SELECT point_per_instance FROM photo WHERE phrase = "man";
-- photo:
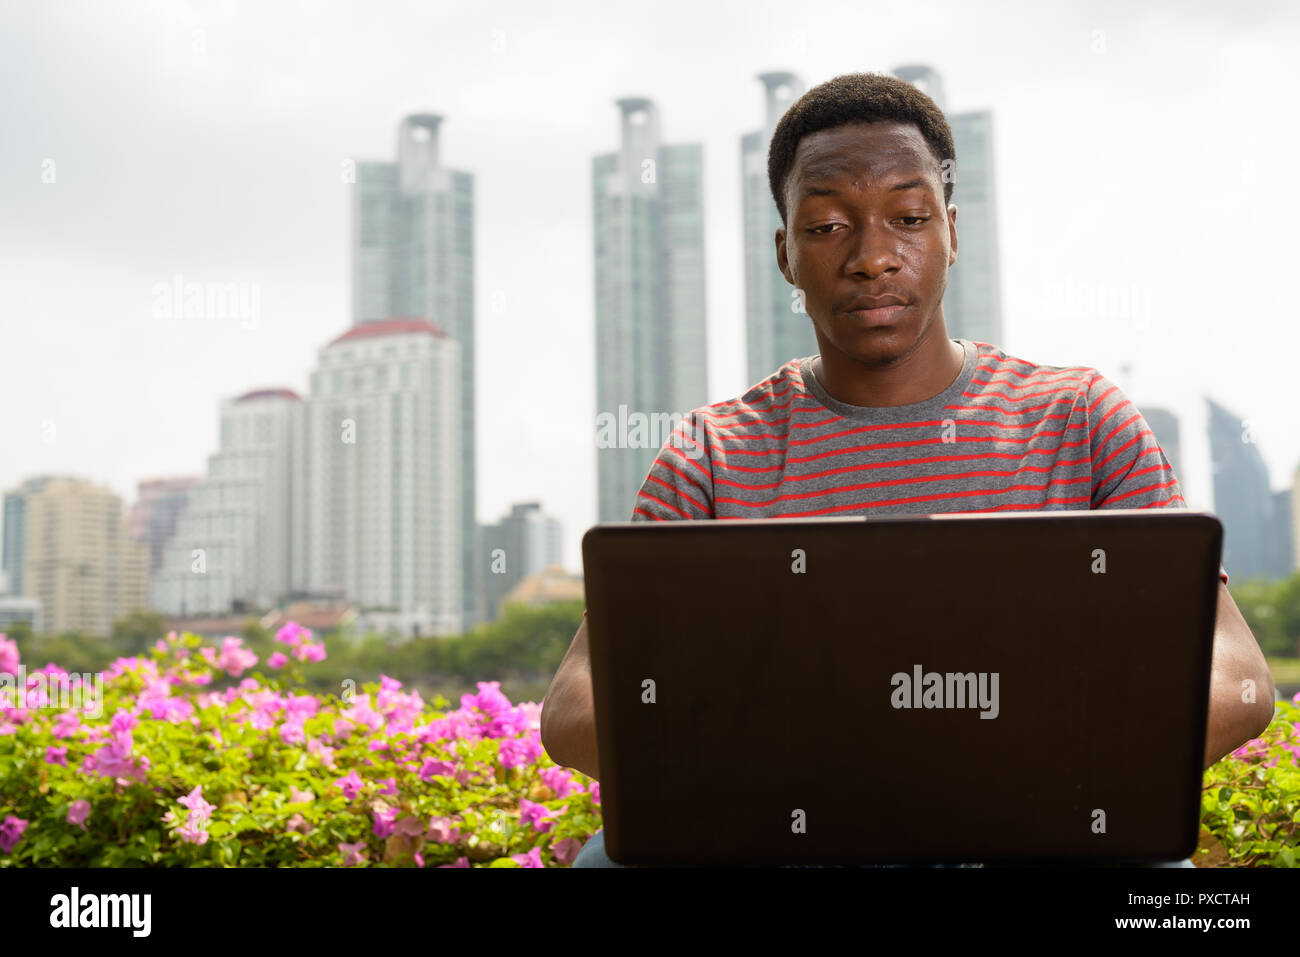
(893, 415)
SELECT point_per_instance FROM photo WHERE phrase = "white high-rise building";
(232, 549)
(383, 476)
(413, 256)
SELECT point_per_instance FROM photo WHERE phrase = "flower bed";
(1250, 805)
(186, 761)
(167, 770)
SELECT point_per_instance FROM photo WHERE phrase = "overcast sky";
(206, 140)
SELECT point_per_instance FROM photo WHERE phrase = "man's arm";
(568, 711)
(678, 486)
(1232, 722)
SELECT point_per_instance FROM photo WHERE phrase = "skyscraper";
(1295, 522)
(972, 304)
(1282, 556)
(1243, 500)
(651, 342)
(523, 543)
(156, 511)
(413, 257)
(234, 542)
(774, 331)
(383, 500)
(15, 530)
(1164, 425)
(73, 543)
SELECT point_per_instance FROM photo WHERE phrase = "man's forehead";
(874, 151)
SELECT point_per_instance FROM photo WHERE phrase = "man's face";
(867, 219)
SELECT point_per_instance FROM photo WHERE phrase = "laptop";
(903, 689)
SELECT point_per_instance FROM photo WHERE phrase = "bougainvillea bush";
(1250, 805)
(193, 759)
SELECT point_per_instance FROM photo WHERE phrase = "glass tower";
(651, 344)
(774, 332)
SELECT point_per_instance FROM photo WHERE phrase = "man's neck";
(922, 375)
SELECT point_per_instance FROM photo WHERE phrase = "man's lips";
(881, 316)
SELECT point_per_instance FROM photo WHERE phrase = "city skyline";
(144, 194)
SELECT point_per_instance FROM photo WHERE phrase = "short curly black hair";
(856, 98)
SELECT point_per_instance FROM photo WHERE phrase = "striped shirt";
(1007, 434)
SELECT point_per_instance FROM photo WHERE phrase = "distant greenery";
(1272, 610)
(522, 650)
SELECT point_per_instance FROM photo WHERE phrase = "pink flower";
(408, 827)
(113, 760)
(200, 810)
(532, 859)
(419, 859)
(300, 797)
(291, 732)
(566, 850)
(277, 660)
(299, 823)
(434, 769)
(77, 813)
(9, 659)
(326, 754)
(292, 634)
(192, 832)
(440, 830)
(351, 785)
(460, 862)
(310, 652)
(594, 791)
(353, 854)
(11, 831)
(518, 752)
(558, 780)
(235, 658)
(384, 818)
(55, 755)
(535, 814)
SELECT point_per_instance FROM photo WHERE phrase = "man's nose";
(874, 250)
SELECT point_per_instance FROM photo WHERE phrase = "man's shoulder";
(998, 371)
(994, 359)
(764, 402)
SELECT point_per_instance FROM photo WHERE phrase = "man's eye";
(819, 229)
(919, 219)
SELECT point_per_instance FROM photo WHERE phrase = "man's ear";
(952, 232)
(782, 261)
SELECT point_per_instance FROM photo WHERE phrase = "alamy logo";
(77, 691)
(949, 690)
(102, 910)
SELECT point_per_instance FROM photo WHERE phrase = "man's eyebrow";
(813, 190)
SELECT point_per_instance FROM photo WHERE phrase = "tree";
(138, 630)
